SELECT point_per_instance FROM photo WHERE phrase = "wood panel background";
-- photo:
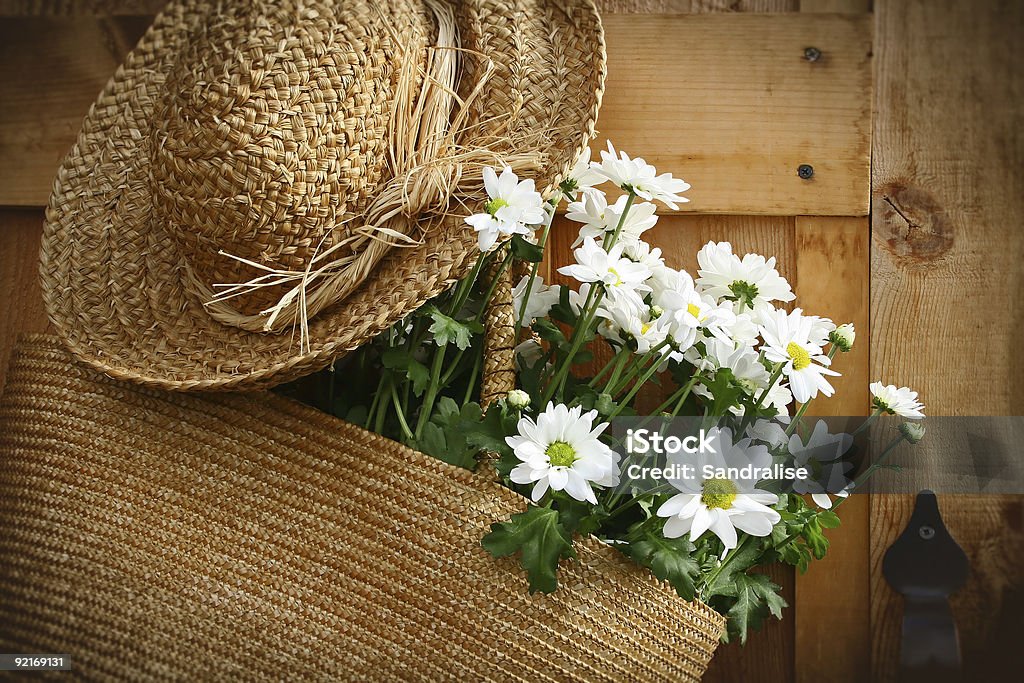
(910, 228)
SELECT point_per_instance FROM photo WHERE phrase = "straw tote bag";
(150, 534)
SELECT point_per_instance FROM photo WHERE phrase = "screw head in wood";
(812, 54)
(805, 171)
(926, 532)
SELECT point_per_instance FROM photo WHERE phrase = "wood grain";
(78, 8)
(21, 306)
(946, 210)
(50, 72)
(728, 100)
(694, 6)
(139, 7)
(833, 279)
(731, 101)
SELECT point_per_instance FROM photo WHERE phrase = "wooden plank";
(769, 654)
(694, 6)
(729, 100)
(80, 8)
(946, 210)
(833, 279)
(50, 72)
(140, 7)
(834, 6)
(21, 307)
(732, 101)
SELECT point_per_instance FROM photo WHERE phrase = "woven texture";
(259, 130)
(151, 534)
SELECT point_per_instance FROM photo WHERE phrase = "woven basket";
(150, 534)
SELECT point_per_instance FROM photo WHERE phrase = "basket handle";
(499, 376)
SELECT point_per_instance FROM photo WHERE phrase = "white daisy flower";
(562, 451)
(821, 328)
(769, 432)
(511, 208)
(583, 177)
(518, 399)
(628, 319)
(641, 252)
(821, 456)
(743, 361)
(722, 504)
(787, 340)
(779, 397)
(528, 353)
(611, 268)
(751, 281)
(640, 177)
(599, 219)
(897, 401)
(688, 308)
(542, 298)
(843, 337)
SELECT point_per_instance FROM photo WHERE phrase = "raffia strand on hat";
(429, 172)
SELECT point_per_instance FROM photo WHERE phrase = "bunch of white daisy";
(725, 344)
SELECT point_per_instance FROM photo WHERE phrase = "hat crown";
(271, 134)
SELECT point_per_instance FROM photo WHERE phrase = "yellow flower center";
(560, 454)
(644, 327)
(492, 206)
(693, 310)
(801, 358)
(718, 493)
(618, 278)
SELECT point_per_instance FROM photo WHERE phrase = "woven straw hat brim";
(112, 278)
(153, 534)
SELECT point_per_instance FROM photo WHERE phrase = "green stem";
(472, 378)
(432, 389)
(725, 563)
(636, 387)
(610, 242)
(871, 418)
(400, 413)
(857, 483)
(764, 394)
(533, 270)
(640, 366)
(577, 341)
(491, 287)
(796, 418)
(682, 399)
(615, 359)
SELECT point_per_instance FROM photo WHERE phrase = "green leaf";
(578, 517)
(525, 250)
(669, 558)
(549, 332)
(401, 360)
(562, 311)
(724, 390)
(541, 541)
(815, 539)
(738, 562)
(357, 415)
(432, 442)
(756, 598)
(444, 436)
(828, 519)
(447, 330)
(487, 432)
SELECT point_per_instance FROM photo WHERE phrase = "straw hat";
(263, 186)
(153, 534)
